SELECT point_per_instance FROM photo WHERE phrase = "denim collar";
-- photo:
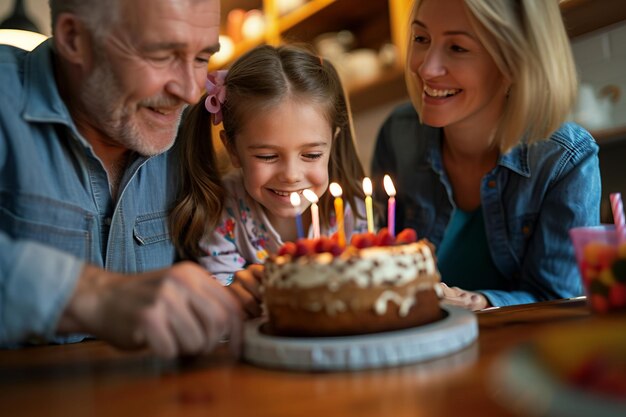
(516, 159)
(43, 102)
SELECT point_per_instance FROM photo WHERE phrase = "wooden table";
(92, 378)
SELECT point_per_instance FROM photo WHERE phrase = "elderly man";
(86, 179)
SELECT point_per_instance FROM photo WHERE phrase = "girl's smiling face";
(459, 81)
(284, 149)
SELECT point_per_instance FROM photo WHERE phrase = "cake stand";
(457, 330)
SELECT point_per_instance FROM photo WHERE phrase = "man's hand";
(181, 310)
(246, 287)
(466, 299)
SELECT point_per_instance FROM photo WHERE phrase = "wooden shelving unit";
(584, 16)
(375, 22)
(390, 86)
(610, 135)
(301, 14)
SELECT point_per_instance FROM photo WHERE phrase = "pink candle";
(618, 215)
(391, 204)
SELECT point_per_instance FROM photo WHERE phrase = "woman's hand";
(466, 299)
(246, 287)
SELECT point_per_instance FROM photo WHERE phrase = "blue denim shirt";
(56, 210)
(530, 200)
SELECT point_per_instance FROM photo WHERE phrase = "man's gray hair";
(98, 15)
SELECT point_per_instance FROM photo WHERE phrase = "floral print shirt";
(245, 236)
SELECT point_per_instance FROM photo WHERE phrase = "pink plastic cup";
(602, 264)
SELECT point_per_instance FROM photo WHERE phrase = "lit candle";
(335, 190)
(315, 215)
(391, 205)
(295, 202)
(369, 211)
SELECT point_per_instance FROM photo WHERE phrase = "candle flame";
(310, 195)
(389, 188)
(367, 186)
(295, 199)
(335, 189)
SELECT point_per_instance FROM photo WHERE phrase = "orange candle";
(369, 211)
(336, 191)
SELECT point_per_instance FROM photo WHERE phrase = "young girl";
(286, 128)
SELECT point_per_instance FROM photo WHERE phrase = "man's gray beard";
(100, 95)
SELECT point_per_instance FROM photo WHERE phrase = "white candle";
(369, 211)
(315, 215)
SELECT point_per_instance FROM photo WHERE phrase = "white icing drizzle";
(396, 265)
(405, 303)
(335, 306)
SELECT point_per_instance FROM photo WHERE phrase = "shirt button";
(491, 184)
(526, 230)
(107, 221)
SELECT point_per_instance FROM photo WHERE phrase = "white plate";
(523, 385)
(452, 333)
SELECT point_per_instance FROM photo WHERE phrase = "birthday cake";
(377, 283)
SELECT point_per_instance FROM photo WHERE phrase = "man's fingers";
(219, 311)
(183, 322)
(156, 333)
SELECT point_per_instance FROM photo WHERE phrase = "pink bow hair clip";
(216, 94)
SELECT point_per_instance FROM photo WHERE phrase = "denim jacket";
(530, 200)
(56, 210)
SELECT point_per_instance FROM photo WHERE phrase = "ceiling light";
(18, 30)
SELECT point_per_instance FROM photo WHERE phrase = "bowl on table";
(601, 258)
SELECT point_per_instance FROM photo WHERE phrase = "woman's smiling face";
(458, 80)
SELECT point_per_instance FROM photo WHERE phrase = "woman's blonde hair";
(528, 42)
(258, 80)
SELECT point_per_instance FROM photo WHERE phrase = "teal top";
(463, 255)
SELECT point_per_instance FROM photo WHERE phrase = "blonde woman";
(484, 162)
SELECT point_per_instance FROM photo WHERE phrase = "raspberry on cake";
(377, 283)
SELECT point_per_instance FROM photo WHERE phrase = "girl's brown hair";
(260, 79)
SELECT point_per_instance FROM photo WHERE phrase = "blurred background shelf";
(372, 24)
(584, 16)
(375, 23)
(609, 135)
(304, 12)
(388, 87)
